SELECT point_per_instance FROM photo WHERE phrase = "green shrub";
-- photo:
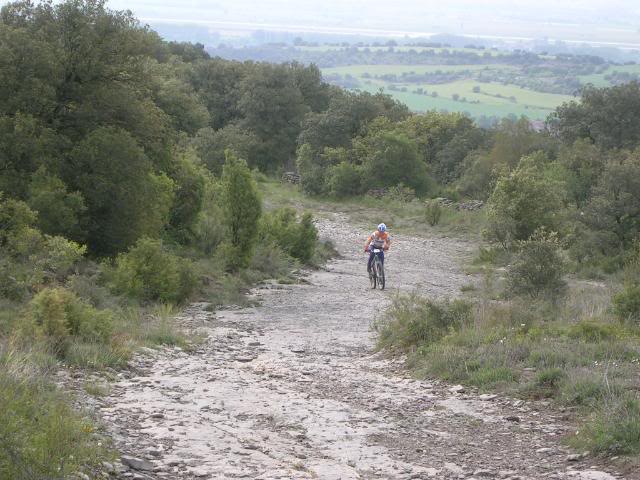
(312, 175)
(613, 429)
(550, 378)
(591, 331)
(538, 268)
(626, 304)
(41, 437)
(297, 239)
(345, 180)
(489, 377)
(149, 272)
(271, 261)
(59, 257)
(583, 390)
(400, 193)
(433, 212)
(242, 209)
(525, 200)
(412, 321)
(60, 315)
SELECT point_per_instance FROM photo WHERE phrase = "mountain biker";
(378, 239)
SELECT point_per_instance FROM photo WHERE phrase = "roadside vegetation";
(554, 313)
(120, 203)
(136, 176)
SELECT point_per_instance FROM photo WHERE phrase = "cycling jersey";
(378, 239)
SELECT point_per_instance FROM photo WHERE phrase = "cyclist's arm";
(368, 242)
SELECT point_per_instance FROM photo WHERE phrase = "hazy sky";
(615, 21)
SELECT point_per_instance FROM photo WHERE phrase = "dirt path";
(292, 389)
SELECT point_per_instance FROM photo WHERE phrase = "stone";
(457, 389)
(244, 359)
(137, 463)
(512, 418)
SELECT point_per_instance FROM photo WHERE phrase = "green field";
(492, 99)
(403, 48)
(598, 79)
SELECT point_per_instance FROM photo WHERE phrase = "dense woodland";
(128, 169)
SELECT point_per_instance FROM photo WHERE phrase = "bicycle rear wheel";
(380, 274)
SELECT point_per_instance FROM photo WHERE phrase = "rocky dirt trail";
(293, 389)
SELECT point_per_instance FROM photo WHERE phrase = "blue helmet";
(382, 227)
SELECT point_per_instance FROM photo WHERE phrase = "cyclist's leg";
(382, 257)
(371, 255)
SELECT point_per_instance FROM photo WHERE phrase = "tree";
(606, 116)
(390, 158)
(312, 175)
(211, 146)
(585, 164)
(125, 199)
(614, 208)
(190, 180)
(60, 212)
(242, 210)
(344, 179)
(524, 201)
(272, 107)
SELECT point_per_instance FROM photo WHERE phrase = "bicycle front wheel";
(380, 274)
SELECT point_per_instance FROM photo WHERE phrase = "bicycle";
(376, 276)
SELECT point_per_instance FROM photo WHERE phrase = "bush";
(41, 437)
(433, 212)
(614, 429)
(344, 180)
(59, 257)
(549, 380)
(297, 239)
(412, 321)
(312, 178)
(149, 272)
(525, 200)
(400, 193)
(242, 210)
(60, 315)
(538, 268)
(590, 331)
(626, 304)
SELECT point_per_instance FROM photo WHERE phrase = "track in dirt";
(293, 389)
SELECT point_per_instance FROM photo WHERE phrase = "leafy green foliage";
(312, 175)
(242, 209)
(412, 321)
(524, 200)
(433, 212)
(149, 272)
(41, 436)
(538, 267)
(614, 208)
(59, 212)
(606, 116)
(60, 315)
(626, 304)
(125, 199)
(296, 238)
(345, 179)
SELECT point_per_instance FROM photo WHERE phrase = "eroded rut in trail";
(293, 389)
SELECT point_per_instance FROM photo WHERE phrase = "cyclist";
(378, 239)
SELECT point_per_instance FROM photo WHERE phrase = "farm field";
(471, 96)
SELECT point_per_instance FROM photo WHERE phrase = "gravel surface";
(293, 389)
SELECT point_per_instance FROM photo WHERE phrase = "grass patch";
(575, 353)
(41, 436)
